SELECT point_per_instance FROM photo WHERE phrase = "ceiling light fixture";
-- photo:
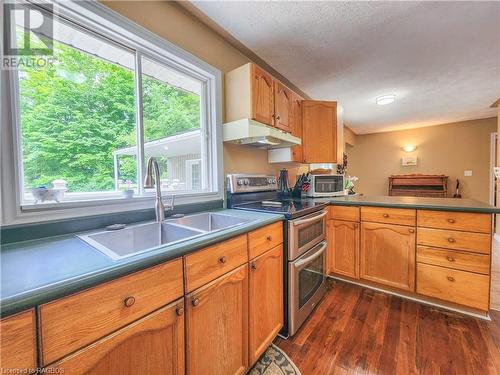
(385, 99)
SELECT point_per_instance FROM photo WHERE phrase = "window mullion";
(139, 123)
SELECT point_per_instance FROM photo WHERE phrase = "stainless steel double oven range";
(304, 231)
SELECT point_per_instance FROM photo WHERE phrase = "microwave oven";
(326, 185)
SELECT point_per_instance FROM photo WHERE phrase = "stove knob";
(246, 182)
(274, 180)
(269, 181)
(239, 182)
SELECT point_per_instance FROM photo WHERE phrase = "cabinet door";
(262, 96)
(344, 248)
(17, 347)
(151, 345)
(283, 106)
(388, 255)
(266, 300)
(217, 326)
(319, 128)
(296, 127)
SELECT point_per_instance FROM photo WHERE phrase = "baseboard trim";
(415, 299)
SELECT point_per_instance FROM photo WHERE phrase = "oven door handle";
(309, 259)
(308, 220)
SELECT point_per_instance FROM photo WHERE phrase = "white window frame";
(105, 22)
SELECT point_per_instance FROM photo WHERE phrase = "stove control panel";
(249, 183)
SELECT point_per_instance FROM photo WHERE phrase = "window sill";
(143, 201)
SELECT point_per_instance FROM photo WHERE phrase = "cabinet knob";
(450, 259)
(451, 221)
(195, 301)
(273, 115)
(278, 117)
(385, 215)
(356, 225)
(179, 310)
(253, 266)
(450, 278)
(411, 230)
(269, 238)
(222, 259)
(451, 240)
(129, 301)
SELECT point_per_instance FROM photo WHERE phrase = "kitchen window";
(86, 123)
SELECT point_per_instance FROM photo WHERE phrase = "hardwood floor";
(356, 330)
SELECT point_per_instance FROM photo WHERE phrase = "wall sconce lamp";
(409, 148)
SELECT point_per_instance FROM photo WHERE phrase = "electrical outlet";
(496, 170)
(467, 173)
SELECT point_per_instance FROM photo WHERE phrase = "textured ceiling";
(441, 59)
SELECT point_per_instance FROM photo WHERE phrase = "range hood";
(253, 133)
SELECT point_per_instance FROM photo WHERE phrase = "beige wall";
(175, 24)
(448, 149)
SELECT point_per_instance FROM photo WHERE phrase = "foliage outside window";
(79, 120)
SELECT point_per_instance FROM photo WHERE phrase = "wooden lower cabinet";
(18, 344)
(217, 326)
(343, 238)
(388, 255)
(151, 345)
(265, 301)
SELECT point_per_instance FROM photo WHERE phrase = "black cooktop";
(291, 208)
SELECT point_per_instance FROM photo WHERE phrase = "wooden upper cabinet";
(262, 92)
(252, 93)
(319, 128)
(388, 255)
(151, 345)
(344, 257)
(265, 301)
(18, 346)
(283, 99)
(296, 127)
(217, 326)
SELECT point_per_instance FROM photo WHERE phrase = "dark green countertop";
(439, 204)
(38, 271)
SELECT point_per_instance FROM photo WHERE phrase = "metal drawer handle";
(179, 310)
(450, 278)
(222, 259)
(385, 215)
(451, 221)
(278, 117)
(195, 301)
(253, 266)
(411, 230)
(269, 238)
(451, 240)
(129, 301)
(450, 259)
(308, 220)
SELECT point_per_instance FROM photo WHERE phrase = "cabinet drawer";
(343, 213)
(465, 221)
(152, 345)
(461, 287)
(474, 242)
(79, 319)
(263, 239)
(401, 216)
(18, 346)
(206, 265)
(458, 260)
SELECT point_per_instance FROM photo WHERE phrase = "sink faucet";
(150, 181)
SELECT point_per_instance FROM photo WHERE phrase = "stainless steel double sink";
(139, 238)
